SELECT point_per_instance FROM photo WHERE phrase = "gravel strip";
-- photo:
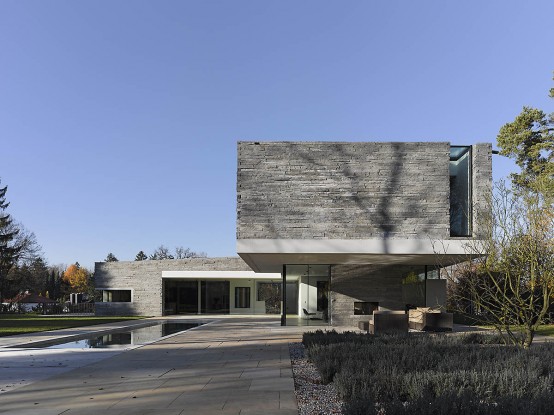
(313, 397)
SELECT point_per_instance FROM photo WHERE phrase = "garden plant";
(434, 374)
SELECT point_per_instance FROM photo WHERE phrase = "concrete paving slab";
(287, 400)
(264, 400)
(248, 411)
(261, 373)
(273, 384)
(231, 366)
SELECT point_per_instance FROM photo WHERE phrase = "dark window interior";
(117, 296)
(365, 307)
(242, 297)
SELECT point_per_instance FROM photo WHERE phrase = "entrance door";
(292, 297)
(215, 297)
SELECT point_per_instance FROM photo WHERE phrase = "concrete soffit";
(219, 275)
(269, 255)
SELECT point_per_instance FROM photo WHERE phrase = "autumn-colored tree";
(77, 277)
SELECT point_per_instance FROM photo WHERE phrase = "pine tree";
(141, 256)
(529, 141)
(111, 258)
(9, 250)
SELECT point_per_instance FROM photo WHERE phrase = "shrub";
(434, 374)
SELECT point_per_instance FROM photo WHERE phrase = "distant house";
(27, 302)
(326, 230)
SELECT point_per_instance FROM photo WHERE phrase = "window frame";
(131, 290)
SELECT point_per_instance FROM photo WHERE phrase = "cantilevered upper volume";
(358, 202)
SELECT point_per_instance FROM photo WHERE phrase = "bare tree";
(507, 280)
(183, 253)
(26, 251)
(162, 252)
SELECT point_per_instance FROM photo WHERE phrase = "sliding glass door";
(306, 296)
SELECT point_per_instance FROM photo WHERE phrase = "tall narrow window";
(242, 297)
(460, 191)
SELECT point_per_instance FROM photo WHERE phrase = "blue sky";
(119, 119)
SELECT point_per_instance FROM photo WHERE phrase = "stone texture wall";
(145, 279)
(482, 185)
(342, 190)
(371, 283)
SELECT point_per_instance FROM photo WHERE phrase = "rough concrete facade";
(144, 278)
(382, 285)
(481, 186)
(342, 190)
(350, 283)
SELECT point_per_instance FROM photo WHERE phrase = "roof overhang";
(269, 255)
(219, 275)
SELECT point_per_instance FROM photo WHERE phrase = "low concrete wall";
(144, 278)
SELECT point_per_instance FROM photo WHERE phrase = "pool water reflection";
(128, 337)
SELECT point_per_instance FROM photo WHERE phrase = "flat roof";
(269, 255)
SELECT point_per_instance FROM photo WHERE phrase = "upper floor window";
(460, 191)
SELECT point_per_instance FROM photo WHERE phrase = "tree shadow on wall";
(376, 208)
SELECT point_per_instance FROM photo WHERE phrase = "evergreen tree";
(111, 258)
(141, 256)
(53, 284)
(529, 140)
(9, 250)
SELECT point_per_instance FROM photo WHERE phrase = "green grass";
(544, 330)
(11, 324)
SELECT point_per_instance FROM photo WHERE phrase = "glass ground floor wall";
(234, 296)
(306, 295)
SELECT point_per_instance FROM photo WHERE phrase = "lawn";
(547, 330)
(543, 330)
(11, 324)
(434, 374)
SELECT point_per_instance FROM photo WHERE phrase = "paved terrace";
(230, 366)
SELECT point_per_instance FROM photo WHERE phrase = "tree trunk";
(529, 335)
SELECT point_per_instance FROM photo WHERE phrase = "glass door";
(215, 297)
(306, 295)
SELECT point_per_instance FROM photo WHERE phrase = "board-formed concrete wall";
(342, 190)
(144, 278)
(481, 186)
(379, 284)
(371, 283)
(351, 190)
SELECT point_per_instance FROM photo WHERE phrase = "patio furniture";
(386, 322)
(312, 316)
(428, 319)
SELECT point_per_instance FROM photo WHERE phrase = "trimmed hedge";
(434, 374)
